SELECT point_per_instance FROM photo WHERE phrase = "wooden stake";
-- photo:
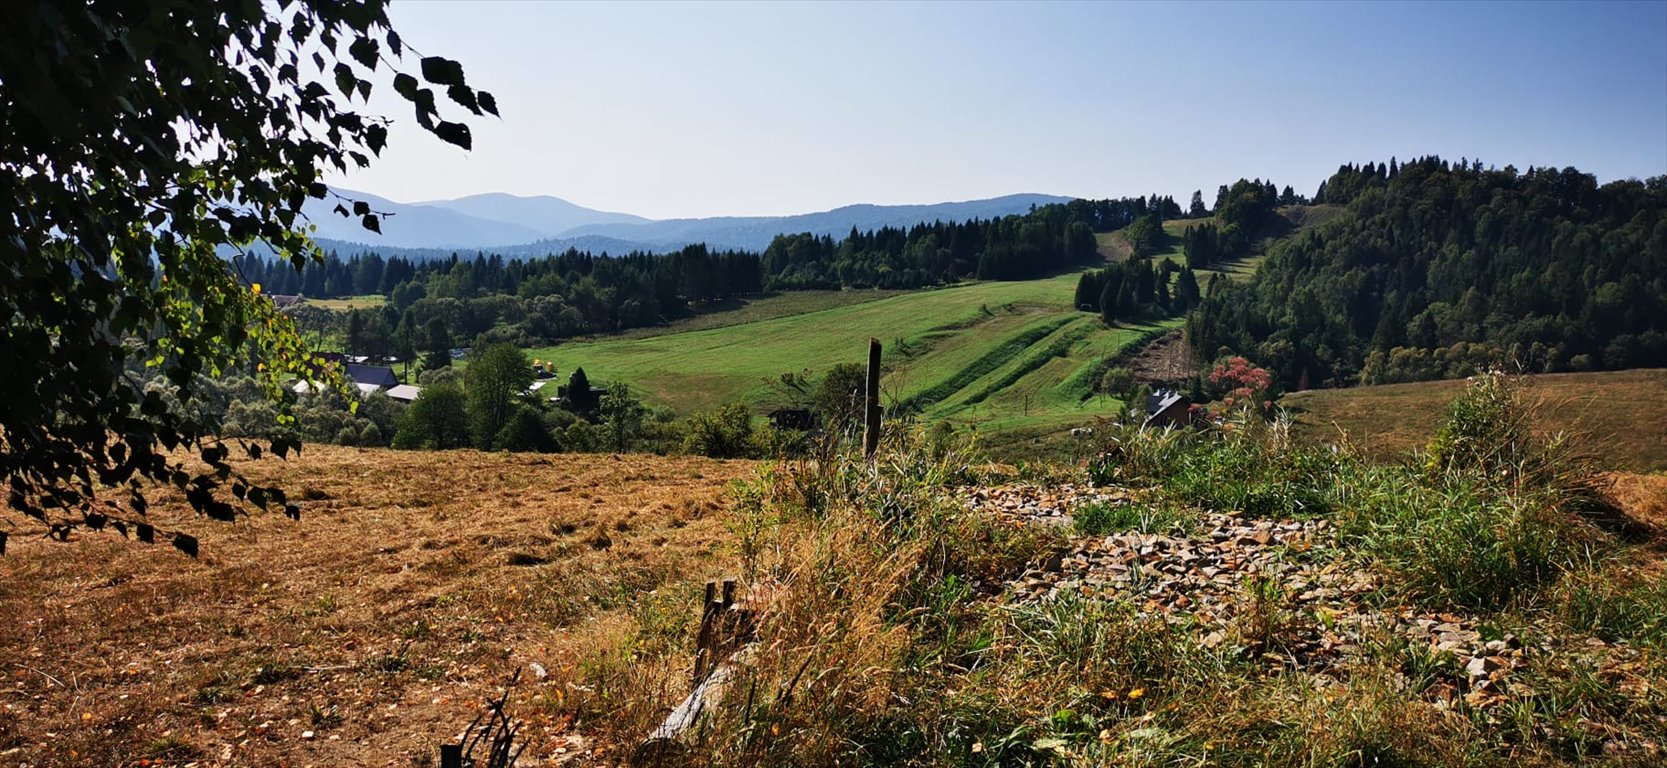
(871, 401)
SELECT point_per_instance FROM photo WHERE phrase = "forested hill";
(1437, 268)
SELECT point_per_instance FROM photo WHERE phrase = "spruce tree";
(1086, 298)
(1109, 299)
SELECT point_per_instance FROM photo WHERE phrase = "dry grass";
(1619, 415)
(1642, 498)
(413, 585)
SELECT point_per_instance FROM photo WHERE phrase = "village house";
(1167, 408)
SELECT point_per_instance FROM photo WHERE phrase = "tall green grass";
(884, 638)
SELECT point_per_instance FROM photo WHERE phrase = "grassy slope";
(949, 343)
(1621, 414)
(1007, 357)
(754, 309)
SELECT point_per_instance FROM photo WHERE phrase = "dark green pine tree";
(1109, 299)
(1087, 299)
(578, 392)
(1145, 285)
(1186, 290)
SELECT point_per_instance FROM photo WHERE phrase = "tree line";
(1437, 268)
(1134, 290)
(537, 301)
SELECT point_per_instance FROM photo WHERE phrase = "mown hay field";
(368, 632)
(1619, 416)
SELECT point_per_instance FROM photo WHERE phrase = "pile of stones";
(1279, 589)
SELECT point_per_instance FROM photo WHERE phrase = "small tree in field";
(622, 416)
(838, 397)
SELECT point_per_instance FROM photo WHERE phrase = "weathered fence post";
(871, 401)
(724, 627)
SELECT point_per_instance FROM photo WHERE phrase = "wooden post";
(722, 649)
(451, 756)
(703, 639)
(871, 401)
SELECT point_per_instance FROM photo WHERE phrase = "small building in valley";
(1167, 408)
(405, 393)
(801, 419)
(379, 376)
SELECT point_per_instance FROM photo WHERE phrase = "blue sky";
(684, 109)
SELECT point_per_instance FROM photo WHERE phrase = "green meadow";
(999, 355)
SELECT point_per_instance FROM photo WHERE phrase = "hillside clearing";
(752, 309)
(941, 343)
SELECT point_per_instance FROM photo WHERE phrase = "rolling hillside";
(1007, 357)
(1001, 355)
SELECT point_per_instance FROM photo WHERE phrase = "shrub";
(1117, 382)
(722, 434)
(1486, 521)
(581, 437)
(525, 431)
(437, 420)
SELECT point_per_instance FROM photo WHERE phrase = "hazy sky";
(683, 109)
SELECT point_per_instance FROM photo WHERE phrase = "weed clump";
(1247, 465)
(1102, 517)
(885, 636)
(1488, 517)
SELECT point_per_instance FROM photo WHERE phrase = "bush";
(582, 437)
(437, 420)
(1117, 382)
(525, 432)
(722, 434)
(774, 443)
(1487, 520)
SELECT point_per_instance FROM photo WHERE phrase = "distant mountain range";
(523, 226)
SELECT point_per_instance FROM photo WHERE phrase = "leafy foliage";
(438, 419)
(497, 376)
(142, 138)
(722, 434)
(1240, 383)
(1440, 269)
